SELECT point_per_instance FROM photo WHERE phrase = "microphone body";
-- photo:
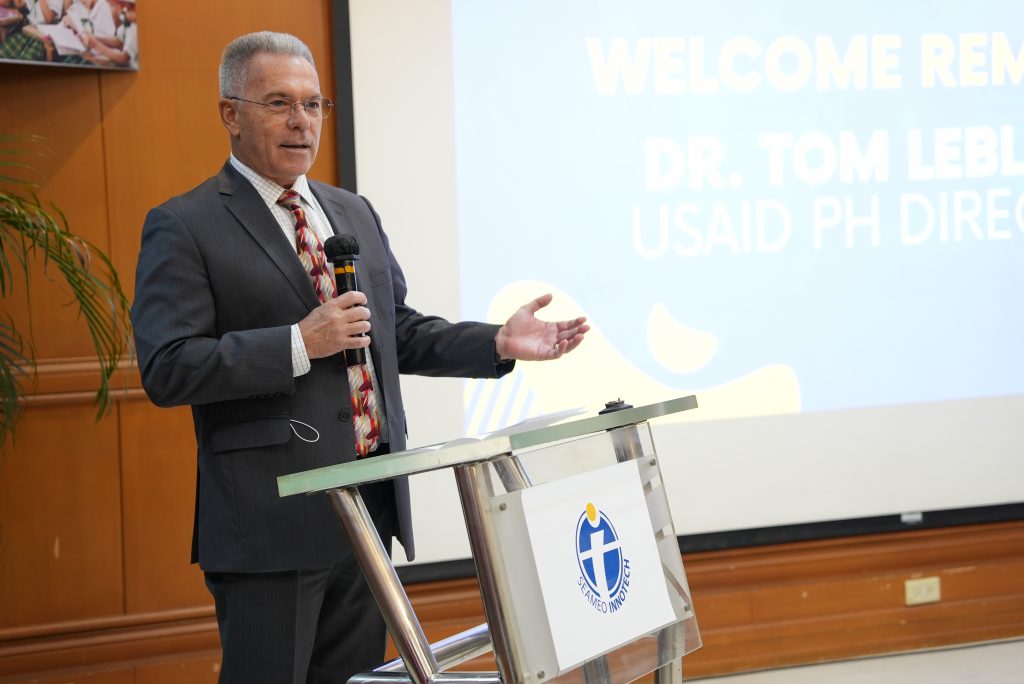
(343, 253)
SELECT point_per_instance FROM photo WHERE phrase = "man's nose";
(298, 117)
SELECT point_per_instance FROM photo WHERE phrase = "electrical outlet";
(922, 590)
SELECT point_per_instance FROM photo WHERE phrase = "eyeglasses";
(315, 107)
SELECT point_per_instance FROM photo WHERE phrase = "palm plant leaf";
(13, 365)
(29, 230)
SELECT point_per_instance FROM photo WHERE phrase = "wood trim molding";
(757, 607)
(825, 600)
(67, 398)
(56, 629)
(106, 647)
(73, 380)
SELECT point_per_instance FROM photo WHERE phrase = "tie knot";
(289, 198)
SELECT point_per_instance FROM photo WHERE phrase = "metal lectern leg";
(380, 574)
(596, 671)
(670, 673)
(512, 473)
(474, 487)
(628, 446)
(671, 643)
(626, 442)
(455, 650)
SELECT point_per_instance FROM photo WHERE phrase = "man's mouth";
(295, 146)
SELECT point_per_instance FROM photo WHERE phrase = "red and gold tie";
(365, 412)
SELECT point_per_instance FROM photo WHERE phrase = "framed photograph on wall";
(95, 34)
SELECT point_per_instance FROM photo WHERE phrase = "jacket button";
(344, 415)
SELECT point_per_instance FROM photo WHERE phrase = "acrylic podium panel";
(573, 543)
(558, 625)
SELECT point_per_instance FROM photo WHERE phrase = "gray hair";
(234, 63)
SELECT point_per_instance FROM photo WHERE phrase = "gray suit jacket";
(217, 288)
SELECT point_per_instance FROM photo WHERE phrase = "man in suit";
(227, 320)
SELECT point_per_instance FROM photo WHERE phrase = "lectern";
(574, 547)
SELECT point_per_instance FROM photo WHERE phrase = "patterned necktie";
(365, 412)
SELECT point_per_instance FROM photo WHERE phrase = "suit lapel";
(338, 217)
(335, 211)
(245, 204)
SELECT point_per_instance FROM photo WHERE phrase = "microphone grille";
(337, 247)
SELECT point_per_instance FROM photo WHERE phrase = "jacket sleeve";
(433, 346)
(183, 358)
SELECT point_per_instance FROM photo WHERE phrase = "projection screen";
(808, 214)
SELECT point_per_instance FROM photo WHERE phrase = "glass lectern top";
(470, 450)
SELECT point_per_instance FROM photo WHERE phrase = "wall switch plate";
(922, 590)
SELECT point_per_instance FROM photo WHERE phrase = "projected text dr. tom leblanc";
(937, 213)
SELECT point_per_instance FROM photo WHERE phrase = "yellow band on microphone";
(344, 268)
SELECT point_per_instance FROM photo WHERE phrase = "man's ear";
(229, 116)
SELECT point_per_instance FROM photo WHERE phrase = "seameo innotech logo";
(604, 569)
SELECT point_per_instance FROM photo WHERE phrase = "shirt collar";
(268, 189)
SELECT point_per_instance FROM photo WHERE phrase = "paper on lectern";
(538, 422)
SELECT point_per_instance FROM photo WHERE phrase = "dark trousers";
(307, 626)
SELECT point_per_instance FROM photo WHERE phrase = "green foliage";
(29, 232)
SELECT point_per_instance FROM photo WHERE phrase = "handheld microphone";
(343, 253)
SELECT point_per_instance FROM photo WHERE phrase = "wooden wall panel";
(840, 598)
(162, 127)
(60, 519)
(757, 607)
(200, 669)
(116, 676)
(806, 602)
(68, 169)
(152, 134)
(159, 489)
(122, 142)
(163, 136)
(110, 643)
(117, 600)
